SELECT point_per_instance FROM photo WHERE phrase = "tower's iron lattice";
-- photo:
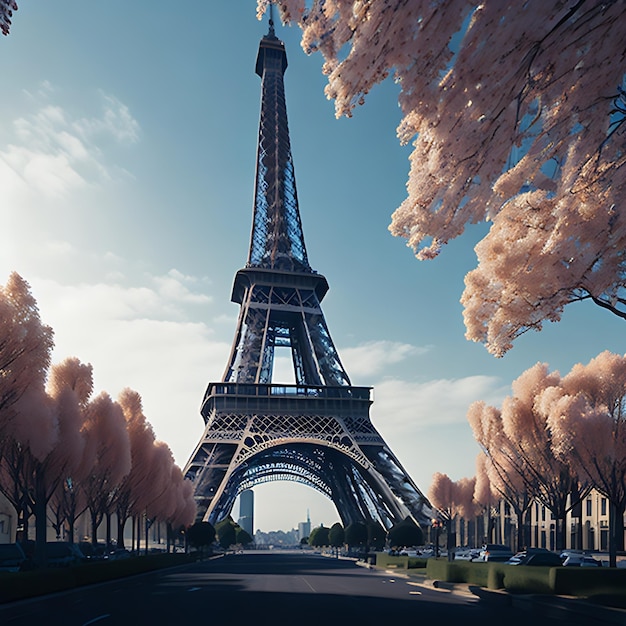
(316, 431)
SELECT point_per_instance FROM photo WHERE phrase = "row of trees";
(369, 535)
(227, 533)
(64, 451)
(552, 441)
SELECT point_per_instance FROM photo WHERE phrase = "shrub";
(387, 560)
(527, 579)
(588, 581)
(22, 585)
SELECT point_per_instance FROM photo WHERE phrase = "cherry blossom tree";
(70, 386)
(107, 457)
(587, 414)
(487, 500)
(28, 427)
(53, 446)
(516, 113)
(521, 432)
(153, 489)
(186, 510)
(452, 500)
(161, 502)
(34, 433)
(6, 13)
(497, 475)
(64, 452)
(133, 492)
(25, 348)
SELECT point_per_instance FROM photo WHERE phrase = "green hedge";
(383, 559)
(527, 579)
(571, 581)
(588, 581)
(461, 572)
(21, 585)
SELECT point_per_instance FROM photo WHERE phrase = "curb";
(575, 610)
(564, 608)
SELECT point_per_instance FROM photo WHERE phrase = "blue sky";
(127, 147)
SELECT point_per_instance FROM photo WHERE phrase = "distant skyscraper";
(246, 511)
(304, 528)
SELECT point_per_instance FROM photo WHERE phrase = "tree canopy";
(516, 114)
(201, 534)
(242, 536)
(336, 535)
(376, 535)
(406, 533)
(558, 436)
(63, 451)
(319, 537)
(226, 532)
(356, 534)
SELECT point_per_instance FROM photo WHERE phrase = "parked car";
(12, 557)
(466, 554)
(63, 554)
(119, 554)
(581, 560)
(409, 553)
(494, 552)
(99, 552)
(536, 556)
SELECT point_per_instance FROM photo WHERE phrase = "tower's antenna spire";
(271, 33)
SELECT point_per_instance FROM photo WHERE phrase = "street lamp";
(437, 524)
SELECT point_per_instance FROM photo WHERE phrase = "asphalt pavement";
(281, 589)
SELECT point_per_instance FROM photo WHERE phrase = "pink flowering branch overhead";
(6, 13)
(516, 114)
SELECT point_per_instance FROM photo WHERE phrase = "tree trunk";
(619, 527)
(94, 529)
(612, 534)
(41, 525)
(71, 521)
(121, 523)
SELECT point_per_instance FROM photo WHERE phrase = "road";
(258, 588)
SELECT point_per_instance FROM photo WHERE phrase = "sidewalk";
(562, 608)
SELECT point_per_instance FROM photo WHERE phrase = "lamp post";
(436, 524)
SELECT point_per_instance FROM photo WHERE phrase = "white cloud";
(375, 357)
(425, 423)
(138, 337)
(403, 405)
(116, 121)
(52, 154)
(174, 286)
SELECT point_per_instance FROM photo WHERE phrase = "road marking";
(97, 619)
(194, 589)
(415, 593)
(309, 584)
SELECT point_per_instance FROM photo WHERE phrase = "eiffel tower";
(317, 431)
